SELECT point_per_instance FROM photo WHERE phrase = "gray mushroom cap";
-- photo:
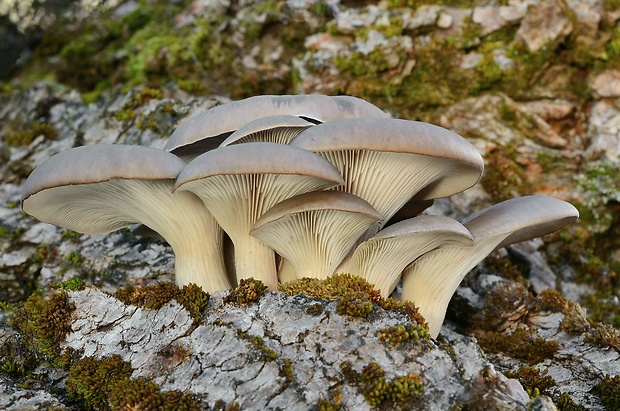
(218, 123)
(521, 219)
(89, 165)
(275, 129)
(101, 188)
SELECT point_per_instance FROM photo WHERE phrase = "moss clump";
(44, 322)
(90, 380)
(603, 335)
(24, 137)
(565, 403)
(247, 292)
(105, 384)
(315, 309)
(221, 406)
(72, 284)
(260, 352)
(521, 344)
(333, 402)
(153, 297)
(534, 381)
(504, 177)
(354, 304)
(332, 288)
(380, 392)
(399, 334)
(552, 300)
(609, 391)
(70, 235)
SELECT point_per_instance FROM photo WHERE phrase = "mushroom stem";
(255, 259)
(431, 280)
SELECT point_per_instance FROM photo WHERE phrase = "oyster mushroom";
(431, 280)
(273, 129)
(98, 189)
(208, 129)
(381, 259)
(239, 183)
(387, 162)
(315, 231)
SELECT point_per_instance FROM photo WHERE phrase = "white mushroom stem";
(381, 259)
(239, 183)
(181, 219)
(431, 280)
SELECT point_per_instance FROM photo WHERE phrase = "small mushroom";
(315, 231)
(208, 129)
(387, 162)
(239, 183)
(431, 280)
(273, 129)
(382, 258)
(98, 189)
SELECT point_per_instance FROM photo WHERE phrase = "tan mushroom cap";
(431, 280)
(101, 188)
(274, 129)
(220, 121)
(238, 183)
(381, 259)
(315, 231)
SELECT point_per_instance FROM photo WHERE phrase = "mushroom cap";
(102, 162)
(258, 158)
(276, 129)
(74, 174)
(388, 161)
(521, 219)
(382, 258)
(316, 230)
(316, 201)
(220, 121)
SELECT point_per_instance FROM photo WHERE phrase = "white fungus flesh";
(431, 280)
(101, 188)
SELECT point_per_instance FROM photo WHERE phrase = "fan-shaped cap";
(100, 188)
(522, 219)
(275, 129)
(382, 258)
(220, 121)
(315, 231)
(258, 158)
(81, 168)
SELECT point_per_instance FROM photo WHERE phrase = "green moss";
(503, 177)
(70, 235)
(249, 291)
(72, 284)
(534, 381)
(332, 288)
(21, 138)
(44, 322)
(603, 335)
(315, 309)
(399, 334)
(105, 384)
(609, 391)
(74, 259)
(565, 403)
(522, 344)
(222, 406)
(552, 300)
(259, 352)
(380, 392)
(333, 402)
(6, 232)
(90, 380)
(153, 297)
(354, 304)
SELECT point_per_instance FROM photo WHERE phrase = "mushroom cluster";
(304, 186)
